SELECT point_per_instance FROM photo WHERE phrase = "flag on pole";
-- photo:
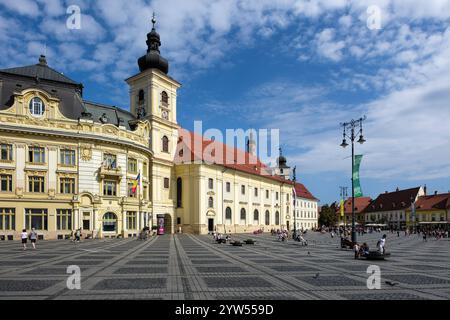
(356, 181)
(294, 194)
(136, 183)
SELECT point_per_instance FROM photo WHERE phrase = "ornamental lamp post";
(295, 203)
(355, 127)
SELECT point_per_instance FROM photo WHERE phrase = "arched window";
(179, 193)
(277, 218)
(165, 144)
(243, 214)
(267, 218)
(228, 214)
(109, 222)
(256, 216)
(141, 97)
(164, 98)
(211, 202)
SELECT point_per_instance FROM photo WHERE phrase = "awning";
(434, 222)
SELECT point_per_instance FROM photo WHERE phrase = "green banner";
(356, 180)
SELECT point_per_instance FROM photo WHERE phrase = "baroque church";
(68, 164)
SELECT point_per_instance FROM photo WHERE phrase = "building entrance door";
(210, 225)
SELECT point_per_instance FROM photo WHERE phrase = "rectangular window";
(64, 219)
(36, 184)
(243, 190)
(145, 193)
(166, 183)
(67, 185)
(6, 152)
(131, 194)
(145, 169)
(210, 184)
(7, 219)
(131, 220)
(267, 194)
(109, 188)
(67, 157)
(228, 187)
(110, 161)
(256, 192)
(276, 196)
(6, 183)
(36, 155)
(36, 218)
(132, 166)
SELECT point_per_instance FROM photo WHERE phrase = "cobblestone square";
(181, 267)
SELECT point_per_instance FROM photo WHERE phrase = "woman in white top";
(24, 236)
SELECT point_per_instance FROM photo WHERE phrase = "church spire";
(153, 59)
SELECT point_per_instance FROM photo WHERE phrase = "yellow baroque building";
(68, 164)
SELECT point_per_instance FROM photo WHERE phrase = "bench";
(249, 241)
(236, 244)
(219, 241)
(376, 255)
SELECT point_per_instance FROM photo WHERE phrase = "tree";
(327, 216)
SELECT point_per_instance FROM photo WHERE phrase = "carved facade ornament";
(86, 152)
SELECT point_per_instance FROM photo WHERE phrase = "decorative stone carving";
(86, 152)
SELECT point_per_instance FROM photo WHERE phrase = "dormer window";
(37, 107)
(104, 118)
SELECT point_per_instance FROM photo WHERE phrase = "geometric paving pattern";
(191, 267)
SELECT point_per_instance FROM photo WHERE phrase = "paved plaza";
(194, 267)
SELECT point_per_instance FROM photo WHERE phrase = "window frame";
(66, 223)
(64, 153)
(107, 183)
(32, 107)
(32, 180)
(35, 150)
(9, 182)
(67, 181)
(132, 166)
(8, 149)
(7, 219)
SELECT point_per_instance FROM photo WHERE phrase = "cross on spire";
(154, 20)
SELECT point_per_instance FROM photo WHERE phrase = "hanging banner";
(342, 207)
(356, 181)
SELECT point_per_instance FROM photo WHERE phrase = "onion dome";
(281, 161)
(153, 59)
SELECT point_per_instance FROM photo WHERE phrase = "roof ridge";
(99, 104)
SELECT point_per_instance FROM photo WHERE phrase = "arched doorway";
(109, 222)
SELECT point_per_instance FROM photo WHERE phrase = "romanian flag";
(136, 183)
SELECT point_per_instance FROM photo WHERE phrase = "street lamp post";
(295, 204)
(355, 128)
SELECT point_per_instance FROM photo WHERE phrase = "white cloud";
(22, 7)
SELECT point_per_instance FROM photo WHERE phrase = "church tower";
(153, 97)
(282, 169)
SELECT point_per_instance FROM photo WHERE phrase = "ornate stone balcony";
(110, 172)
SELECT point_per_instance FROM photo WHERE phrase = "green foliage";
(327, 216)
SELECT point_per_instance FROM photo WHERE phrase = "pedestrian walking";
(33, 238)
(78, 235)
(24, 236)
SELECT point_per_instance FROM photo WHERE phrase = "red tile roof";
(193, 148)
(303, 192)
(391, 201)
(360, 205)
(433, 202)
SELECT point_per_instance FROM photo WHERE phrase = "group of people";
(363, 250)
(218, 236)
(33, 236)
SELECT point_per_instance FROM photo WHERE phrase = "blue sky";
(296, 65)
